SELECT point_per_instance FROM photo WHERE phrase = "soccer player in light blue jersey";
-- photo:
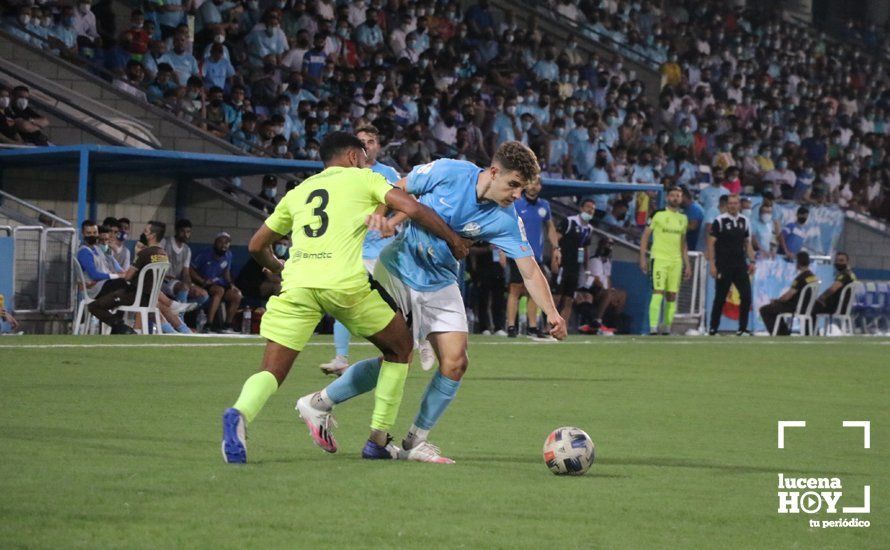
(420, 276)
(374, 243)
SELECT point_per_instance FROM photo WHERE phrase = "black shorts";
(568, 281)
(515, 275)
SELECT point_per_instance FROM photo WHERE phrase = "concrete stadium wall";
(869, 249)
(140, 198)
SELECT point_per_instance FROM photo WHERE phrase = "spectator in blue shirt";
(266, 43)
(695, 214)
(181, 60)
(211, 269)
(245, 138)
(314, 61)
(368, 35)
(217, 70)
(793, 235)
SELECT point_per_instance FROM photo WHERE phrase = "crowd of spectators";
(768, 106)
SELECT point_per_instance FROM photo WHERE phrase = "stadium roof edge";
(88, 160)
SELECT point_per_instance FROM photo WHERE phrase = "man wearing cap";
(211, 270)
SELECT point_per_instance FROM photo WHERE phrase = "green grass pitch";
(119, 447)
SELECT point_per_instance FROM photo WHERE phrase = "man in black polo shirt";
(827, 302)
(731, 256)
(787, 302)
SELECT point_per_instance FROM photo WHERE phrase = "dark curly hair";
(513, 155)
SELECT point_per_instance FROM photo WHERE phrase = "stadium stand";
(603, 91)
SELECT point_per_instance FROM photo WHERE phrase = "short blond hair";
(513, 155)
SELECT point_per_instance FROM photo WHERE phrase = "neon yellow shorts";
(291, 317)
(666, 275)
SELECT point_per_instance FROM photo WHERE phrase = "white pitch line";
(604, 341)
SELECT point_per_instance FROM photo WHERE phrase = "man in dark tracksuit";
(732, 261)
(787, 302)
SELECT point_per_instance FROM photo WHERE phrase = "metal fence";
(43, 269)
(691, 304)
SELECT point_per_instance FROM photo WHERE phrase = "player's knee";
(197, 292)
(455, 366)
(399, 351)
(217, 291)
(670, 296)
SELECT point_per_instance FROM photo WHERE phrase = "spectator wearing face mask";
(782, 179)
(573, 234)
(558, 164)
(764, 231)
(828, 301)
(269, 194)
(794, 235)
(21, 26)
(266, 44)
(29, 124)
(117, 242)
(8, 131)
(85, 22)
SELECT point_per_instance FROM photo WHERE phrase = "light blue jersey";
(373, 242)
(423, 261)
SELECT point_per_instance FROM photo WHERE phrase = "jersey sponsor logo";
(443, 203)
(158, 258)
(297, 255)
(471, 229)
(426, 168)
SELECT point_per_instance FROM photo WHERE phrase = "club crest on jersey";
(471, 229)
(542, 211)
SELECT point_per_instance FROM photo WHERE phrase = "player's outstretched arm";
(425, 216)
(539, 290)
(260, 247)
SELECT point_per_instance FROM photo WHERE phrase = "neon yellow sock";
(670, 308)
(388, 395)
(256, 391)
(654, 311)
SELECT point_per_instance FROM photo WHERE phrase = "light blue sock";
(438, 395)
(358, 379)
(341, 339)
(182, 296)
(201, 300)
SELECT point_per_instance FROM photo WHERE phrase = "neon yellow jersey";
(326, 218)
(668, 232)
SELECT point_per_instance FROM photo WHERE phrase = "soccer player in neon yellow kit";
(669, 260)
(326, 215)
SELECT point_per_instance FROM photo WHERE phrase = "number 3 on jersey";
(318, 211)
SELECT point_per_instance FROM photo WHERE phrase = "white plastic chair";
(803, 313)
(843, 313)
(82, 317)
(157, 270)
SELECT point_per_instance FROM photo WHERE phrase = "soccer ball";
(569, 451)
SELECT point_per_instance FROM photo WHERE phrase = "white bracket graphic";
(866, 437)
(866, 504)
(788, 424)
